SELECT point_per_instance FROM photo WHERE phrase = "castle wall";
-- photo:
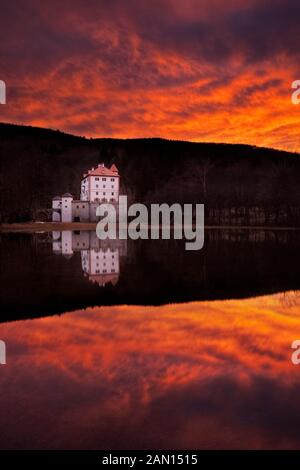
(56, 216)
(66, 243)
(80, 211)
(80, 240)
(66, 209)
(104, 262)
(77, 211)
(103, 188)
(56, 212)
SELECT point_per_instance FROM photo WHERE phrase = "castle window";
(103, 179)
(112, 179)
(96, 179)
(103, 193)
(112, 194)
(97, 194)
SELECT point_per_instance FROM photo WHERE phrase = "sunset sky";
(200, 70)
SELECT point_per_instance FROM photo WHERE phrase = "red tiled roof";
(103, 279)
(103, 171)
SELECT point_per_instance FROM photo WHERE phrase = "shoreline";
(47, 226)
(59, 226)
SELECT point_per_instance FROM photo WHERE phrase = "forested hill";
(37, 164)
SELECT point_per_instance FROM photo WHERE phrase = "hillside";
(238, 183)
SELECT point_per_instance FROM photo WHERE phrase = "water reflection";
(65, 271)
(100, 260)
(199, 375)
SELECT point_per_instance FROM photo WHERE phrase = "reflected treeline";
(47, 273)
(290, 299)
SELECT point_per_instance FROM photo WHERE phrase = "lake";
(142, 345)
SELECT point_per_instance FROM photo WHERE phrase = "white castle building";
(99, 184)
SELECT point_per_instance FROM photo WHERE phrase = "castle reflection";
(100, 259)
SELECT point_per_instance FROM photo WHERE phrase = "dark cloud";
(257, 89)
(166, 62)
(37, 37)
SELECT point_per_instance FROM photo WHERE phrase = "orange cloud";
(198, 375)
(204, 71)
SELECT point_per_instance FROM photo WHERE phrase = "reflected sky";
(201, 375)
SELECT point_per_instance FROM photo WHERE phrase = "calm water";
(198, 373)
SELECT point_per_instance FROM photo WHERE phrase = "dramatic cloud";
(198, 70)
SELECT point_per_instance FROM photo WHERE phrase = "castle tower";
(101, 184)
(56, 209)
(66, 207)
(101, 266)
(66, 243)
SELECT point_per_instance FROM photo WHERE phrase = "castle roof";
(101, 170)
(56, 198)
(67, 195)
(114, 168)
(102, 279)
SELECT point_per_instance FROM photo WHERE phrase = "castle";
(100, 259)
(99, 184)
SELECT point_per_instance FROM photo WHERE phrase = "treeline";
(238, 184)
